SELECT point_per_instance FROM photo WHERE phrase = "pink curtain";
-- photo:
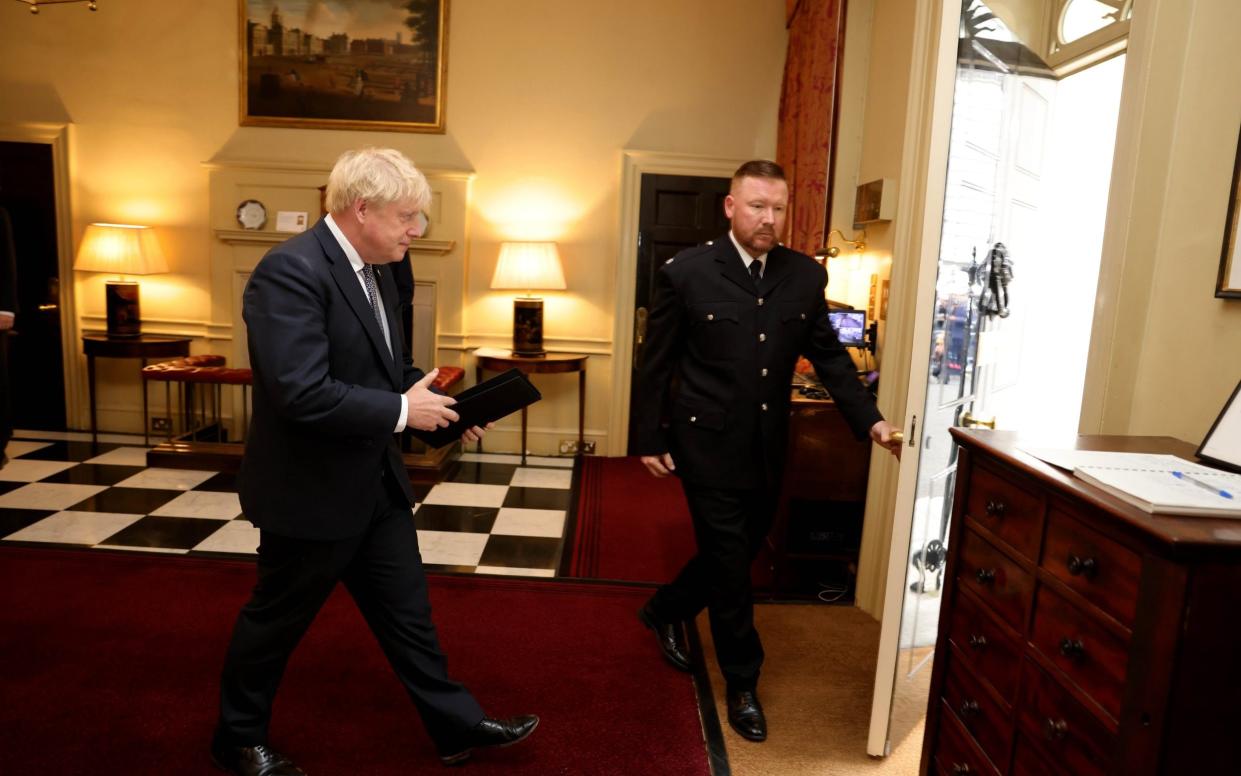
(807, 111)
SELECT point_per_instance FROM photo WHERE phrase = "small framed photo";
(1222, 445)
(344, 64)
(1229, 284)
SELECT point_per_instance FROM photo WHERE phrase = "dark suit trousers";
(730, 527)
(6, 402)
(383, 572)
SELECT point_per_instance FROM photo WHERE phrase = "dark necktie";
(372, 295)
(756, 270)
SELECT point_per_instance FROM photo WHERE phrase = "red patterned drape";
(807, 107)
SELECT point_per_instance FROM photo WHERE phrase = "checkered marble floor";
(490, 516)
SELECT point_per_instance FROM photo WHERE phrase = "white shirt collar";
(745, 256)
(355, 259)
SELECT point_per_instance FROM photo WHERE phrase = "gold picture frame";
(1229, 284)
(345, 64)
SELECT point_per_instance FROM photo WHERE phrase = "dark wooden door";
(676, 212)
(36, 369)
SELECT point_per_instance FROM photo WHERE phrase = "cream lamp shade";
(121, 249)
(528, 266)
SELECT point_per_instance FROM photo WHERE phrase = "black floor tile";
(481, 473)
(70, 451)
(224, 482)
(6, 486)
(13, 520)
(420, 489)
(94, 474)
(538, 498)
(445, 517)
(174, 533)
(531, 552)
(441, 567)
(129, 501)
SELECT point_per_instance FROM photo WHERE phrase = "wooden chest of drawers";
(1080, 636)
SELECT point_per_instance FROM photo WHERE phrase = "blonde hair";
(380, 176)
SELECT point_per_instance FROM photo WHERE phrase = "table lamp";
(124, 250)
(528, 266)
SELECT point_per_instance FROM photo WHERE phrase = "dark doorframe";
(48, 383)
(675, 212)
(635, 165)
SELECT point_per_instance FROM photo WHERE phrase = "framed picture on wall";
(1229, 285)
(344, 64)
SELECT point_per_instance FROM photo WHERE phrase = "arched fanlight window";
(1088, 31)
(1079, 18)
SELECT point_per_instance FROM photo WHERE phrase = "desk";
(553, 363)
(144, 346)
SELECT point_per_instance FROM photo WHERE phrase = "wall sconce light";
(829, 251)
(34, 4)
(528, 266)
(124, 250)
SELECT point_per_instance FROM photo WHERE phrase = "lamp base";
(528, 327)
(122, 305)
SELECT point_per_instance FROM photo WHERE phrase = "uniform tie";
(372, 295)
(756, 270)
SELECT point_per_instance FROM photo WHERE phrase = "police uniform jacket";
(713, 386)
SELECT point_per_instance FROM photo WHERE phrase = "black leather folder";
(484, 403)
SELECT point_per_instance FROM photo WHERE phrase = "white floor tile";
(213, 505)
(234, 536)
(48, 495)
(466, 494)
(127, 548)
(509, 458)
(540, 460)
(529, 522)
(18, 447)
(122, 456)
(23, 470)
(451, 548)
(166, 479)
(74, 528)
(78, 436)
(542, 478)
(515, 572)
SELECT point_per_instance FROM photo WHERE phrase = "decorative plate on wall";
(251, 214)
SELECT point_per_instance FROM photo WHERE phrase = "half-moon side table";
(553, 363)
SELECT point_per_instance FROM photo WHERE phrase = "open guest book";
(1159, 484)
(481, 404)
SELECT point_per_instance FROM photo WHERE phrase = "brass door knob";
(897, 436)
(969, 420)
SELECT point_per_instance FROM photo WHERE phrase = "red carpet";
(109, 664)
(630, 525)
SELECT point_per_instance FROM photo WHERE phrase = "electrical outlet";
(160, 424)
(569, 447)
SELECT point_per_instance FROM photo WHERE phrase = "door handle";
(969, 420)
(43, 308)
(639, 333)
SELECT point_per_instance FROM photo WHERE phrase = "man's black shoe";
(492, 732)
(745, 714)
(253, 761)
(666, 636)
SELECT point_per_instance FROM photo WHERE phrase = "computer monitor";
(850, 326)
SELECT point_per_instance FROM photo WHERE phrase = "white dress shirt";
(746, 257)
(355, 261)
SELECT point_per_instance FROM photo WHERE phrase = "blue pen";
(1201, 484)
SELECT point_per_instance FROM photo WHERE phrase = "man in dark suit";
(8, 313)
(727, 324)
(322, 477)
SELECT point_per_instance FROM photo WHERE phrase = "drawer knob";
(995, 508)
(985, 576)
(1081, 567)
(978, 641)
(960, 769)
(1055, 729)
(1073, 649)
(968, 709)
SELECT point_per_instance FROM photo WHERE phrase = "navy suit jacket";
(714, 382)
(327, 392)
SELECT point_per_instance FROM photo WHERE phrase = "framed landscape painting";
(344, 64)
(1229, 284)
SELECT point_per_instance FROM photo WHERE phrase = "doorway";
(675, 212)
(28, 193)
(1028, 172)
